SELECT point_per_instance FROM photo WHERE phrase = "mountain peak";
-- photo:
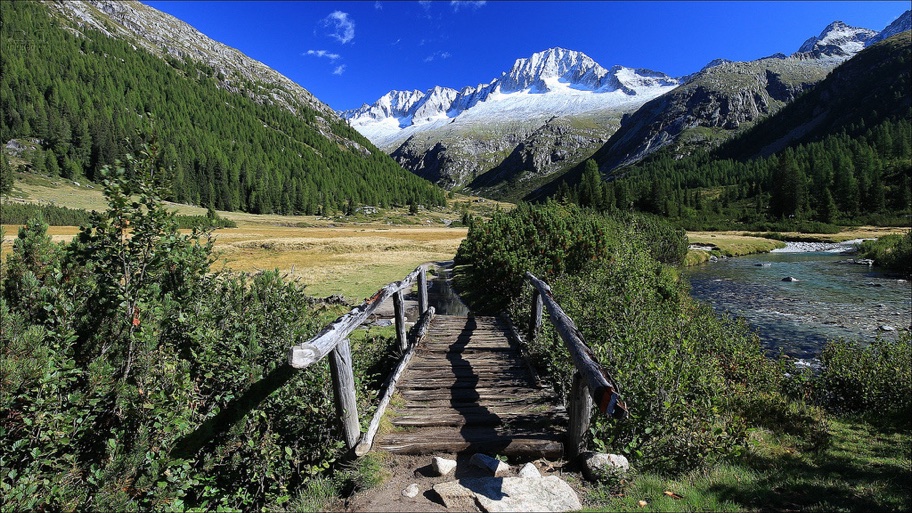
(553, 63)
(838, 39)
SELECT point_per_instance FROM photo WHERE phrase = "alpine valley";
(551, 111)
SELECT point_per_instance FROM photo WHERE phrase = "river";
(831, 299)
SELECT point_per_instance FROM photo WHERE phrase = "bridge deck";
(468, 390)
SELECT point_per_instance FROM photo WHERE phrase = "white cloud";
(339, 70)
(341, 26)
(378, 6)
(437, 55)
(323, 53)
(459, 4)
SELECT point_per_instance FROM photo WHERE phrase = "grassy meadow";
(351, 256)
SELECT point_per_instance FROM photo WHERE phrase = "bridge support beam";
(399, 310)
(422, 291)
(343, 383)
(580, 409)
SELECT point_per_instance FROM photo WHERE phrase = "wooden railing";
(333, 340)
(590, 381)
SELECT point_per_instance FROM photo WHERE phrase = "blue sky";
(349, 53)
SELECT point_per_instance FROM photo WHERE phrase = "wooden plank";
(475, 419)
(519, 393)
(422, 290)
(580, 412)
(535, 319)
(535, 443)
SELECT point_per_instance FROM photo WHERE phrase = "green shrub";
(873, 379)
(893, 252)
(135, 380)
(21, 213)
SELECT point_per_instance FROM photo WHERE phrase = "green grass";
(864, 468)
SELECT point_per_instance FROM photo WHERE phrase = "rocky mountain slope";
(725, 98)
(84, 78)
(557, 108)
(543, 115)
(166, 36)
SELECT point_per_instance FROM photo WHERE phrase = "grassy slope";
(864, 468)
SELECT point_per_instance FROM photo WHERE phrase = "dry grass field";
(352, 256)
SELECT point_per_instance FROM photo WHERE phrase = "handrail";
(591, 382)
(333, 340)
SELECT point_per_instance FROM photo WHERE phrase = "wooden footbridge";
(463, 383)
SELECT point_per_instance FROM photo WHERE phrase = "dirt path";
(403, 470)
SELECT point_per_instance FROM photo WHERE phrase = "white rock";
(510, 494)
(597, 464)
(410, 491)
(442, 466)
(494, 465)
(529, 471)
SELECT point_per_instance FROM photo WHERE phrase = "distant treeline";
(85, 97)
(21, 213)
(840, 179)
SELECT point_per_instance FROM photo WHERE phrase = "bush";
(893, 252)
(873, 380)
(21, 213)
(135, 380)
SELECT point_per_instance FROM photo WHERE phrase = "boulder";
(790, 279)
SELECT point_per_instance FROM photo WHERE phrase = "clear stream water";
(831, 300)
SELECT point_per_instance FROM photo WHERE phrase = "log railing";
(591, 383)
(333, 340)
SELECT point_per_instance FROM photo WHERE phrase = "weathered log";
(399, 310)
(580, 410)
(343, 384)
(303, 355)
(601, 386)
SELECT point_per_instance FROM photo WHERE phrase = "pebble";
(411, 491)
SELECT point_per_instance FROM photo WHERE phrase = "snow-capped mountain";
(838, 39)
(551, 111)
(555, 82)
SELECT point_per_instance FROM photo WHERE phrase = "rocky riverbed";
(799, 297)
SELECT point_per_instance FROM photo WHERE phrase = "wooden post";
(579, 411)
(399, 309)
(535, 320)
(343, 383)
(422, 291)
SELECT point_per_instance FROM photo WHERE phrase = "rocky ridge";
(725, 97)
